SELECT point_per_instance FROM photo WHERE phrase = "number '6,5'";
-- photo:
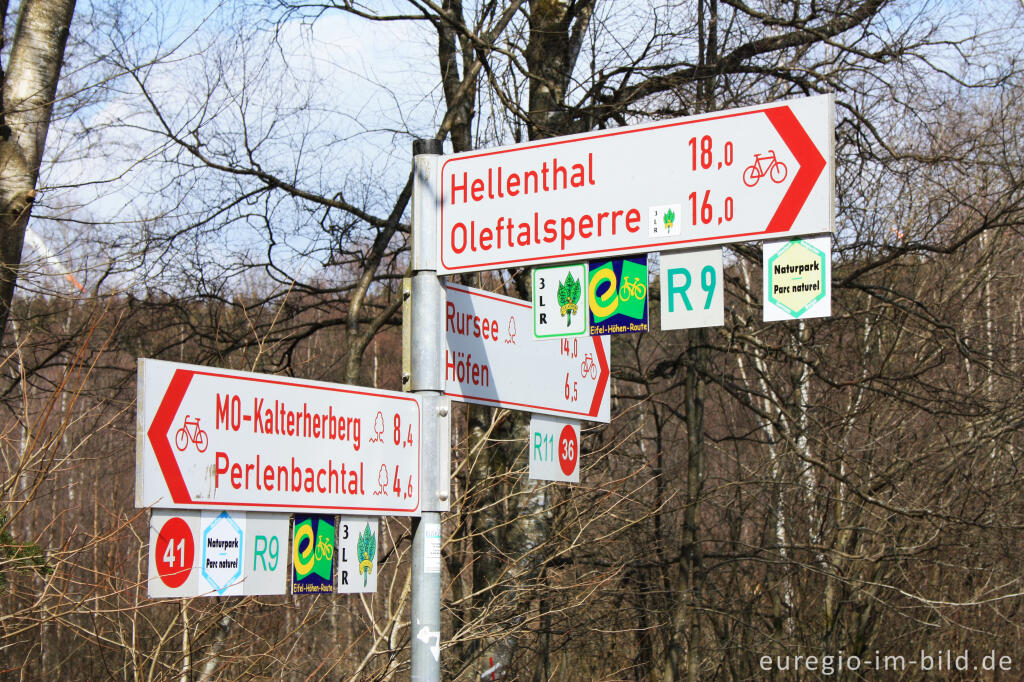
(679, 281)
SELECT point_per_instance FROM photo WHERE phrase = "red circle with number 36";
(175, 552)
(568, 450)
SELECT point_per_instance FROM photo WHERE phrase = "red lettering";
(512, 185)
(220, 469)
(615, 215)
(223, 411)
(455, 231)
(633, 218)
(462, 187)
(587, 224)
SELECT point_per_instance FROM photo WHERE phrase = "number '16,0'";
(677, 287)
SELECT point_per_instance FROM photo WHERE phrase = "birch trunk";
(29, 88)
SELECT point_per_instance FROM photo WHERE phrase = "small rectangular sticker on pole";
(797, 278)
(554, 449)
(432, 548)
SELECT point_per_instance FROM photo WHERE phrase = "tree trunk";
(29, 87)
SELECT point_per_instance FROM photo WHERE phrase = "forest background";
(227, 183)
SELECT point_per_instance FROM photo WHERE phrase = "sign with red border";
(213, 438)
(734, 175)
(492, 358)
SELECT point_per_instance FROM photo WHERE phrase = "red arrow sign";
(810, 165)
(160, 429)
(492, 359)
(729, 176)
(238, 440)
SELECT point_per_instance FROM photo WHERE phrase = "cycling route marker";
(762, 172)
(218, 439)
(554, 449)
(491, 358)
(617, 291)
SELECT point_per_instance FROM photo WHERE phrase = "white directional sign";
(212, 438)
(735, 175)
(491, 358)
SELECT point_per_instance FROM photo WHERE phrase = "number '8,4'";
(679, 281)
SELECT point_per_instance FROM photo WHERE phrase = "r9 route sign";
(212, 438)
(735, 175)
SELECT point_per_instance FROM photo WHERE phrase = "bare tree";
(29, 85)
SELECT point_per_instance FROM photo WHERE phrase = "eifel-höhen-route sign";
(736, 175)
(218, 439)
(491, 358)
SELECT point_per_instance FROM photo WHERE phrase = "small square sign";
(560, 301)
(313, 542)
(222, 551)
(266, 553)
(554, 449)
(173, 559)
(797, 278)
(691, 289)
(617, 292)
(665, 221)
(357, 554)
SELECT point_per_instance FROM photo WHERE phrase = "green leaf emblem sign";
(366, 548)
(569, 297)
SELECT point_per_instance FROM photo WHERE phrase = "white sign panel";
(735, 175)
(266, 553)
(173, 559)
(212, 438)
(797, 278)
(491, 358)
(560, 301)
(692, 290)
(221, 549)
(217, 553)
(357, 554)
(554, 449)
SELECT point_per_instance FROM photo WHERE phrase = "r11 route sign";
(491, 358)
(212, 438)
(736, 175)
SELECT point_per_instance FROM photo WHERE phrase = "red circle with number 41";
(568, 450)
(175, 552)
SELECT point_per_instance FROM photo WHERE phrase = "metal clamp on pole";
(425, 368)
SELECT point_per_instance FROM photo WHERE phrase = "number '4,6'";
(691, 289)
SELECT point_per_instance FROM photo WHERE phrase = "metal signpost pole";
(425, 380)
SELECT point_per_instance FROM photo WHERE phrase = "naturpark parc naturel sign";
(734, 175)
(217, 439)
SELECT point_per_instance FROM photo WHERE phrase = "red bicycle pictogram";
(191, 433)
(588, 366)
(764, 164)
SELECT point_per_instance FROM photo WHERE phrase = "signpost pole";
(425, 380)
